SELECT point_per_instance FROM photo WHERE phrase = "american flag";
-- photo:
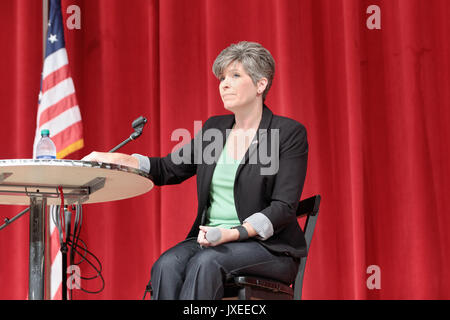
(58, 112)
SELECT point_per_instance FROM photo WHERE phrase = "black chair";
(248, 287)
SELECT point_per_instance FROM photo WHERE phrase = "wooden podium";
(36, 183)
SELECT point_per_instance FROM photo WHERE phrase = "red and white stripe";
(58, 112)
(58, 109)
(55, 258)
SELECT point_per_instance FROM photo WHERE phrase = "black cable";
(78, 247)
(98, 270)
(73, 243)
(84, 256)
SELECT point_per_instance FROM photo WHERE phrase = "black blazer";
(275, 193)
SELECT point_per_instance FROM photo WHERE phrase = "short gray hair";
(255, 59)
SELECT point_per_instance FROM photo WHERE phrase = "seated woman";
(246, 195)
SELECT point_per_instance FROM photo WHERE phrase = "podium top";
(81, 181)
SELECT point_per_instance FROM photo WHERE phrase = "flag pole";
(47, 258)
(44, 26)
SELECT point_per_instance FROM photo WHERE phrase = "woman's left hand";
(227, 235)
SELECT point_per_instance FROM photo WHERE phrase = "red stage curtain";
(375, 104)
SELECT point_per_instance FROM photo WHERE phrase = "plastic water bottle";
(45, 148)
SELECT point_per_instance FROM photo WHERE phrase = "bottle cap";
(45, 132)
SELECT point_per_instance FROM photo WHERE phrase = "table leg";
(36, 282)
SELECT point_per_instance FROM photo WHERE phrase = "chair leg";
(245, 293)
(149, 289)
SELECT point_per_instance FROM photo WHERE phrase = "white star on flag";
(52, 38)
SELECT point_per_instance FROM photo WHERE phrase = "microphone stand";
(138, 126)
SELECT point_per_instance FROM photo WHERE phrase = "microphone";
(213, 235)
(138, 126)
(139, 122)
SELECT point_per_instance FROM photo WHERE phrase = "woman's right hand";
(227, 235)
(113, 157)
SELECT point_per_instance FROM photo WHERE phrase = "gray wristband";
(243, 234)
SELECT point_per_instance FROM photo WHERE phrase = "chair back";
(310, 208)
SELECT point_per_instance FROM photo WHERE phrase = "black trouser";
(188, 271)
